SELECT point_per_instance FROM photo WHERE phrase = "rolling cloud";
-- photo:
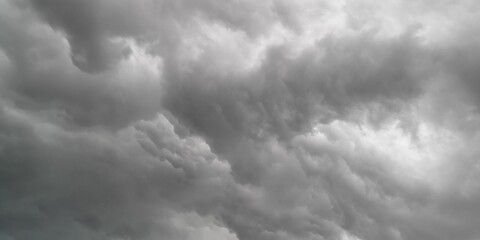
(242, 120)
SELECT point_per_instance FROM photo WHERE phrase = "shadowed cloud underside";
(241, 120)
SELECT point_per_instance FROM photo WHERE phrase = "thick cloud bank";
(241, 120)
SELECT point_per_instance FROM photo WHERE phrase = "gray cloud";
(238, 120)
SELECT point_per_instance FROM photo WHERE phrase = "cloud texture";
(241, 120)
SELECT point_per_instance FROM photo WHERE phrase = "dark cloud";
(238, 120)
(286, 96)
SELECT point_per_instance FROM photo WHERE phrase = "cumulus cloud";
(211, 119)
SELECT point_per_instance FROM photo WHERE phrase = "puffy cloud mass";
(241, 120)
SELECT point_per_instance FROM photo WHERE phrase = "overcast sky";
(239, 120)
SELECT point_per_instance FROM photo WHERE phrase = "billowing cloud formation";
(210, 119)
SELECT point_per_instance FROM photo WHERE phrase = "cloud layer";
(211, 119)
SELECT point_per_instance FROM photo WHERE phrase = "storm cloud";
(242, 120)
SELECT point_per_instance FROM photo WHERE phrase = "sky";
(239, 120)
